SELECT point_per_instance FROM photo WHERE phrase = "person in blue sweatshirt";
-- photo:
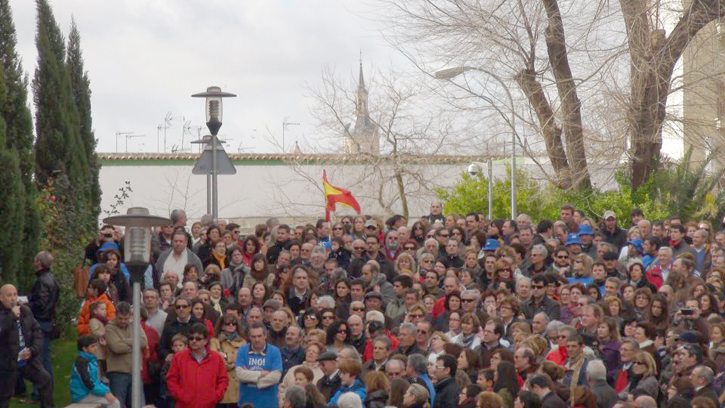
(85, 383)
(259, 369)
(349, 376)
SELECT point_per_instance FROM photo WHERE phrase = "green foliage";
(11, 214)
(65, 153)
(18, 139)
(543, 201)
(80, 84)
(471, 194)
(688, 189)
(64, 239)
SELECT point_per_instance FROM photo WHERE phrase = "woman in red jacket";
(197, 377)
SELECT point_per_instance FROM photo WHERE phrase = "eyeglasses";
(563, 257)
(342, 331)
(197, 338)
(338, 228)
(445, 235)
(467, 300)
(638, 363)
(311, 317)
(416, 315)
(181, 307)
(358, 309)
(537, 286)
(230, 324)
(430, 236)
(358, 248)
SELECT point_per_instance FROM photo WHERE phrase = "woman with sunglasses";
(338, 337)
(310, 319)
(227, 344)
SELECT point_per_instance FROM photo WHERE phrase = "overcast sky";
(146, 57)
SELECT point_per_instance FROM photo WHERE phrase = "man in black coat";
(21, 348)
(330, 382)
(181, 324)
(447, 391)
(539, 385)
(42, 301)
(701, 378)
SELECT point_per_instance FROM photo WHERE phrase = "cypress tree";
(11, 203)
(82, 98)
(18, 138)
(57, 124)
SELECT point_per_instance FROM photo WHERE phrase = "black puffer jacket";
(376, 399)
(9, 339)
(44, 295)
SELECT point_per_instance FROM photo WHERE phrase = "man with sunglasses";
(198, 376)
(539, 302)
(181, 324)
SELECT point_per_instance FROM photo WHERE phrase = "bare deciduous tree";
(576, 64)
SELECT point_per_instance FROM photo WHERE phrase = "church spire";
(361, 96)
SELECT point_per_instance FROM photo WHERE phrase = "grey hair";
(546, 317)
(409, 326)
(554, 325)
(375, 315)
(570, 329)
(319, 249)
(668, 249)
(328, 300)
(395, 361)
(176, 214)
(206, 220)
(706, 373)
(475, 293)
(353, 354)
(296, 396)
(418, 362)
(349, 400)
(542, 250)
(596, 371)
(45, 258)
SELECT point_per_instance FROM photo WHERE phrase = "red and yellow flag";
(336, 195)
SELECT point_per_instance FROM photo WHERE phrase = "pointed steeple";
(361, 95)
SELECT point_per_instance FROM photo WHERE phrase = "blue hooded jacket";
(357, 387)
(84, 378)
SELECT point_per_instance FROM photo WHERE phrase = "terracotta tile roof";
(286, 157)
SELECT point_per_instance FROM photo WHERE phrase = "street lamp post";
(214, 111)
(473, 170)
(137, 254)
(451, 73)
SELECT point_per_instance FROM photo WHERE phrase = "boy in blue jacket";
(85, 384)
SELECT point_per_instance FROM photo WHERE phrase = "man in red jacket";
(197, 377)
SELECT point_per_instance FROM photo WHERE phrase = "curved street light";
(449, 74)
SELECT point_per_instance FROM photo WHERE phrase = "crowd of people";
(453, 310)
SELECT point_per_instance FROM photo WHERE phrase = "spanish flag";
(336, 195)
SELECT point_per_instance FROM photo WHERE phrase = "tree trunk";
(401, 191)
(550, 130)
(571, 106)
(653, 60)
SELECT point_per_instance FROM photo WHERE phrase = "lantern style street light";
(214, 113)
(451, 73)
(137, 254)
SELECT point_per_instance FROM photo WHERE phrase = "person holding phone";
(689, 318)
(22, 339)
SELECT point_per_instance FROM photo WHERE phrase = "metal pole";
(208, 193)
(136, 385)
(490, 189)
(214, 185)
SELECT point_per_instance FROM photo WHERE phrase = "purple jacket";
(610, 353)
